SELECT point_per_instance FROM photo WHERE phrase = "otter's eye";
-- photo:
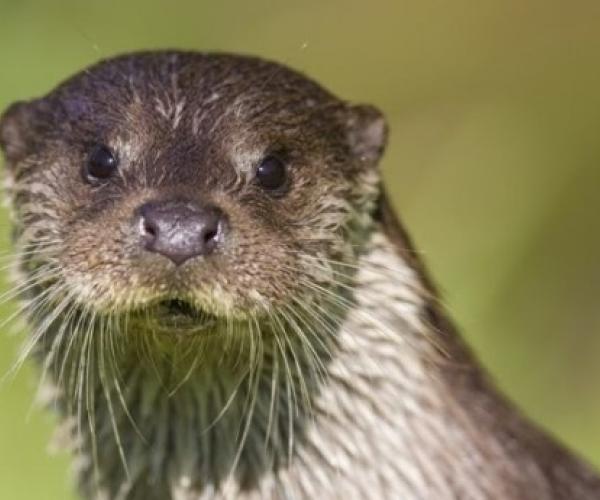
(101, 164)
(271, 173)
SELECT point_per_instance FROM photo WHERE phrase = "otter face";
(189, 186)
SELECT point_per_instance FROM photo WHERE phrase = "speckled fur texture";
(330, 371)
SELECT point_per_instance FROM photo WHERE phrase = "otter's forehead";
(195, 91)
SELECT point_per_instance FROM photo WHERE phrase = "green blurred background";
(493, 161)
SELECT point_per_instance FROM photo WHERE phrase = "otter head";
(189, 188)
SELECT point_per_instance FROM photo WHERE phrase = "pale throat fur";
(224, 305)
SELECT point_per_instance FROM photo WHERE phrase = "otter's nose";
(180, 230)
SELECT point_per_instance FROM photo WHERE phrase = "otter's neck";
(395, 409)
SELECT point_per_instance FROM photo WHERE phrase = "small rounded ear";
(367, 132)
(15, 125)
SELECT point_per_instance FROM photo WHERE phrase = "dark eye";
(271, 173)
(101, 164)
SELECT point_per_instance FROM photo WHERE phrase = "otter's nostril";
(210, 236)
(148, 228)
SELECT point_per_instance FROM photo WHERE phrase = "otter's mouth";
(178, 315)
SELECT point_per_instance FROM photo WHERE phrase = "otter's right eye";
(101, 164)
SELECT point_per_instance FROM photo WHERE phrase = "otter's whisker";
(76, 332)
(87, 394)
(107, 394)
(57, 343)
(273, 396)
(253, 381)
(116, 375)
(303, 328)
(36, 280)
(39, 303)
(304, 391)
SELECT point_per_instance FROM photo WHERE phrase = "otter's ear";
(15, 127)
(367, 132)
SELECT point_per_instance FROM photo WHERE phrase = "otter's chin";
(179, 317)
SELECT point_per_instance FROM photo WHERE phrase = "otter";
(224, 304)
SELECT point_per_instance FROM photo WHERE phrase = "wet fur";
(333, 372)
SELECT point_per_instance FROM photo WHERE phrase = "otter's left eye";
(101, 164)
(271, 173)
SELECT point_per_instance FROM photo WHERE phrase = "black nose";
(180, 230)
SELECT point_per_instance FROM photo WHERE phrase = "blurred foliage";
(494, 109)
